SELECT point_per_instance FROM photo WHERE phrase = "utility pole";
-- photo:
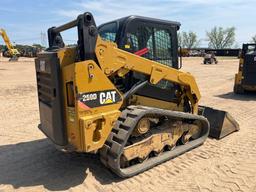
(43, 39)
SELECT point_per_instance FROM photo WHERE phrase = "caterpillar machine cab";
(11, 51)
(120, 93)
(245, 79)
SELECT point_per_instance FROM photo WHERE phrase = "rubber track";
(113, 148)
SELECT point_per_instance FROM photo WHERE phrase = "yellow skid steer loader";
(120, 92)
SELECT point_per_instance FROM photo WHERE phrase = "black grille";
(50, 97)
(45, 89)
(249, 69)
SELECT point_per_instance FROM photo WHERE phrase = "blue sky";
(24, 20)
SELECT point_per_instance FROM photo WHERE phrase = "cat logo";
(90, 100)
(107, 97)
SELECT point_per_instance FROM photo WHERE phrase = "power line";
(43, 39)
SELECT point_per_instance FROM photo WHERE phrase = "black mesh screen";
(108, 32)
(157, 41)
(158, 45)
(162, 47)
(109, 37)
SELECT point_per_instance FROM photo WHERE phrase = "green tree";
(180, 39)
(39, 46)
(254, 39)
(188, 40)
(220, 38)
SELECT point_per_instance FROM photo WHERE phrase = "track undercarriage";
(144, 137)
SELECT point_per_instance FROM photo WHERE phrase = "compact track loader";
(245, 79)
(120, 92)
(209, 58)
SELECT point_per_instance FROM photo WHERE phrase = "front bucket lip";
(216, 125)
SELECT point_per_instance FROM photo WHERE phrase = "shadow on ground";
(39, 163)
(247, 96)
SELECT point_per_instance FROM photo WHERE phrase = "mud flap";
(221, 122)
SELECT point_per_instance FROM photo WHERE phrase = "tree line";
(217, 38)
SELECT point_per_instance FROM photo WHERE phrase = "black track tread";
(113, 148)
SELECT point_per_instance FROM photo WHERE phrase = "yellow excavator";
(120, 93)
(12, 52)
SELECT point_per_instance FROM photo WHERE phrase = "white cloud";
(196, 15)
(105, 10)
(69, 13)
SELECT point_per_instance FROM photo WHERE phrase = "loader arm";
(86, 92)
(114, 60)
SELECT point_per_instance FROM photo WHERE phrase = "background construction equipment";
(11, 51)
(245, 79)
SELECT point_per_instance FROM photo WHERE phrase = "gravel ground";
(29, 161)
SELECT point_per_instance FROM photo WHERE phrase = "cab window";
(156, 40)
(108, 31)
(163, 46)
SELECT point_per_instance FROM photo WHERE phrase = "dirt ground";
(29, 161)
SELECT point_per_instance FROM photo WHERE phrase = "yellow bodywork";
(146, 101)
(239, 77)
(88, 128)
(11, 49)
